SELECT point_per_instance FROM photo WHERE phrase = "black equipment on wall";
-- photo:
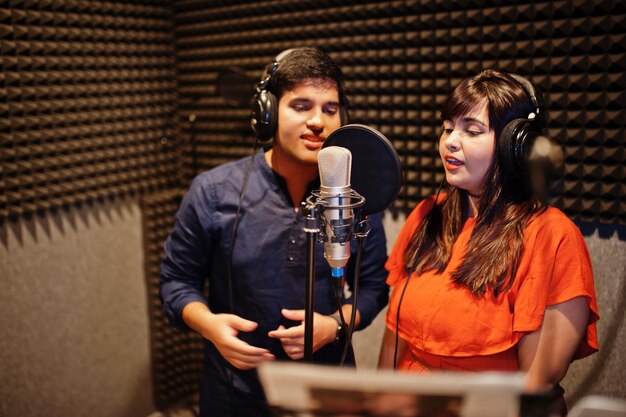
(519, 135)
(233, 85)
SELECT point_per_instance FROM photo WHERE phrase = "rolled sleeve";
(185, 263)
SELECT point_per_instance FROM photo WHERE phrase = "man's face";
(307, 114)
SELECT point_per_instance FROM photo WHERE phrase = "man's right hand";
(222, 331)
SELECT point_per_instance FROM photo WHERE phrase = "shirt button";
(291, 258)
(293, 241)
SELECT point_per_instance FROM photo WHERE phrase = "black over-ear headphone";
(264, 114)
(518, 135)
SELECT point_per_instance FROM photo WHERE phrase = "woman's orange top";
(449, 328)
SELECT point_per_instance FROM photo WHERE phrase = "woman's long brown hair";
(506, 205)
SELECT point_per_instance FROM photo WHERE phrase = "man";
(254, 251)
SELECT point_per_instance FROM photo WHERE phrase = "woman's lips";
(452, 163)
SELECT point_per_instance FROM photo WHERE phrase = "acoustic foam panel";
(88, 96)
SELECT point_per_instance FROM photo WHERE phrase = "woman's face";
(467, 147)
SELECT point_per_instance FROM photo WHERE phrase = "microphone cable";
(229, 264)
(347, 333)
(355, 295)
(348, 330)
(233, 237)
(406, 283)
(397, 337)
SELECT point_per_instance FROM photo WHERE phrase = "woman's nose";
(452, 141)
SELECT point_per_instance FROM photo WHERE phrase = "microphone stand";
(312, 230)
(312, 209)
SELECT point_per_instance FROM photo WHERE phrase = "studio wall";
(74, 314)
(87, 94)
(401, 59)
(108, 109)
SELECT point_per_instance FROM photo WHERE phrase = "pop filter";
(376, 172)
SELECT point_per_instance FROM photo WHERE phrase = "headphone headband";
(535, 98)
(518, 135)
(264, 112)
(271, 70)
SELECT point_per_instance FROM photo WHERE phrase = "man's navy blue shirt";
(268, 270)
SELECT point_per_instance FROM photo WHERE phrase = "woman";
(484, 275)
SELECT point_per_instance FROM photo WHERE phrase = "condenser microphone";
(335, 165)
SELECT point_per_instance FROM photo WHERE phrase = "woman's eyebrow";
(472, 119)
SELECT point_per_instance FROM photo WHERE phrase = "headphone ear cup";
(264, 116)
(512, 146)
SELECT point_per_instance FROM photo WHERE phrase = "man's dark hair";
(310, 65)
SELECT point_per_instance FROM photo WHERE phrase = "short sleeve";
(556, 267)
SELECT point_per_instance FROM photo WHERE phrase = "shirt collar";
(275, 181)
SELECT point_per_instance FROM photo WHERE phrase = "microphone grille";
(335, 164)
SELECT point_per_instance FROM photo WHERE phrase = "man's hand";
(292, 339)
(222, 331)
